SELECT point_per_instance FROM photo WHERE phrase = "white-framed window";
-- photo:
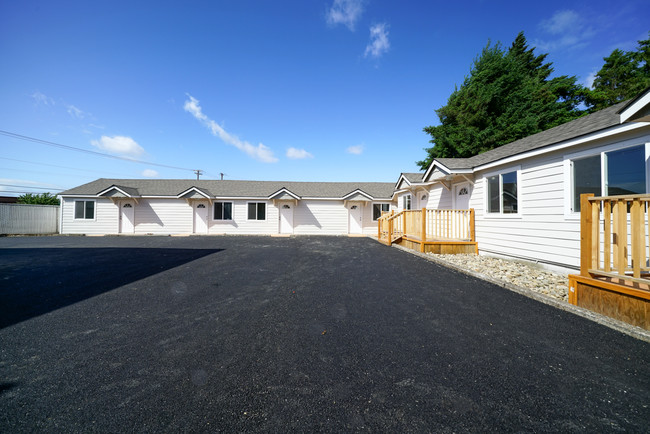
(222, 211)
(256, 211)
(610, 172)
(406, 202)
(378, 209)
(502, 192)
(84, 209)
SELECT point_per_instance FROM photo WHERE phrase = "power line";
(86, 151)
(57, 166)
(30, 186)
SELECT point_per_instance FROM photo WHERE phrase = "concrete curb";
(620, 326)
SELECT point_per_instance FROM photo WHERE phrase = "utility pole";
(198, 173)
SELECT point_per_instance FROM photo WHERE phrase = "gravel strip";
(517, 273)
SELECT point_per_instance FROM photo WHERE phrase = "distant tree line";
(509, 94)
(38, 199)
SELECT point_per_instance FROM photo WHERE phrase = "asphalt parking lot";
(260, 334)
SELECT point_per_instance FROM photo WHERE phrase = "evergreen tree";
(507, 95)
(624, 75)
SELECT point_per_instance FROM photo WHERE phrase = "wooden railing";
(427, 225)
(619, 247)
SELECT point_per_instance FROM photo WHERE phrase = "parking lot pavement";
(151, 334)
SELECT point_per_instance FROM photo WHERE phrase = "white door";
(200, 218)
(127, 222)
(286, 219)
(461, 196)
(354, 217)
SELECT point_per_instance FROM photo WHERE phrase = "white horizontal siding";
(540, 231)
(439, 198)
(163, 217)
(321, 217)
(105, 222)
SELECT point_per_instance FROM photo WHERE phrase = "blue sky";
(331, 90)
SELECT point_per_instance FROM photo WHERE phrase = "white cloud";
(561, 22)
(356, 150)
(589, 81)
(260, 152)
(379, 43)
(566, 29)
(298, 154)
(119, 145)
(42, 99)
(75, 112)
(150, 173)
(346, 12)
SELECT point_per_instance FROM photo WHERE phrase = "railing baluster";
(637, 237)
(622, 236)
(607, 235)
(595, 226)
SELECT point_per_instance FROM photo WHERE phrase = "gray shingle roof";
(231, 188)
(599, 120)
(413, 176)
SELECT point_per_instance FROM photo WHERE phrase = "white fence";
(19, 219)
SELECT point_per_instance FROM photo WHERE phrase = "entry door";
(354, 217)
(127, 222)
(200, 218)
(286, 219)
(461, 196)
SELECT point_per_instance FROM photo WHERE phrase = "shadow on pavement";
(35, 281)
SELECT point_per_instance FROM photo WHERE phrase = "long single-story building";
(168, 207)
(525, 195)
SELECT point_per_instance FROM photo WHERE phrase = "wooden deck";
(614, 277)
(430, 230)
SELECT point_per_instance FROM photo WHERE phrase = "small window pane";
(261, 211)
(626, 171)
(218, 211)
(586, 178)
(79, 209)
(509, 183)
(90, 209)
(376, 211)
(252, 211)
(227, 211)
(493, 194)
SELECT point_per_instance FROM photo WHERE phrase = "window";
(256, 211)
(223, 210)
(586, 178)
(406, 202)
(84, 209)
(502, 193)
(378, 209)
(624, 173)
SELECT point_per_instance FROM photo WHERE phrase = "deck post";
(379, 229)
(390, 231)
(585, 234)
(424, 229)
